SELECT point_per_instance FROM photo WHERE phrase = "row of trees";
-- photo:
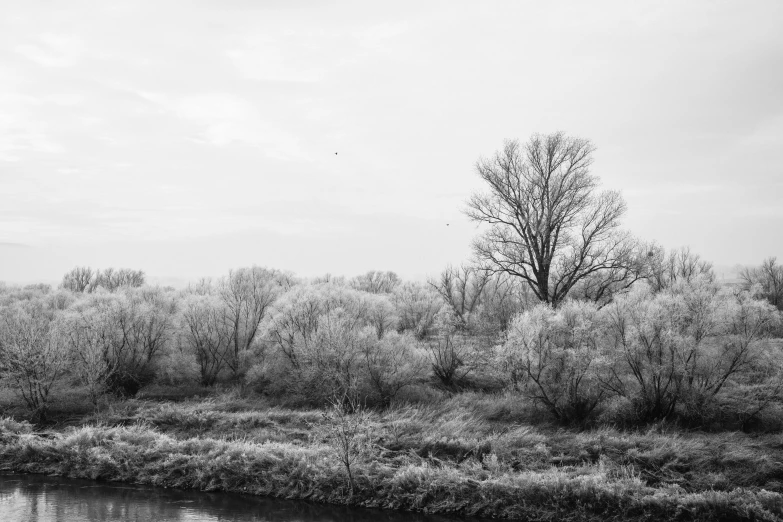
(375, 335)
(86, 279)
(120, 339)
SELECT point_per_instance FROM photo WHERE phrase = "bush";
(684, 344)
(393, 363)
(554, 356)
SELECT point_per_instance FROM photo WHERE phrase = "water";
(39, 498)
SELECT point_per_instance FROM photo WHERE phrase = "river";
(40, 498)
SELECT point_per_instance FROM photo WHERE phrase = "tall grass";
(444, 457)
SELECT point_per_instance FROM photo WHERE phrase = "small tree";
(376, 282)
(462, 289)
(349, 431)
(683, 266)
(208, 331)
(393, 362)
(380, 314)
(113, 279)
(116, 336)
(86, 280)
(248, 295)
(146, 320)
(483, 303)
(686, 342)
(297, 316)
(88, 349)
(80, 279)
(769, 277)
(32, 352)
(416, 306)
(504, 298)
(452, 354)
(555, 356)
(333, 360)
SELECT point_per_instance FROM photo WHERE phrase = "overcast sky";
(188, 138)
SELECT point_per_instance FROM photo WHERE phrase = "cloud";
(20, 130)
(53, 50)
(226, 119)
(674, 190)
(264, 61)
(30, 139)
(310, 56)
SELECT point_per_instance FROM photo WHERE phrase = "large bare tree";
(548, 223)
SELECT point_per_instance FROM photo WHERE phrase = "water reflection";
(38, 498)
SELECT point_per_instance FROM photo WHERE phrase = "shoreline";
(143, 453)
(216, 503)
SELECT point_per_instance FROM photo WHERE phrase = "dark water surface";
(39, 498)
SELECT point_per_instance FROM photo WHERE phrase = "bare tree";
(297, 317)
(452, 354)
(769, 276)
(32, 352)
(555, 355)
(504, 298)
(209, 333)
(350, 431)
(87, 342)
(248, 294)
(80, 279)
(113, 279)
(548, 224)
(462, 289)
(416, 306)
(679, 265)
(380, 314)
(483, 303)
(85, 280)
(115, 337)
(376, 282)
(146, 322)
(686, 341)
(394, 362)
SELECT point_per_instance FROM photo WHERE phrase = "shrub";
(392, 363)
(685, 343)
(115, 337)
(554, 357)
(33, 352)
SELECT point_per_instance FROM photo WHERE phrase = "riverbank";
(469, 454)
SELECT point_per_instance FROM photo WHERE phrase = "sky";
(187, 138)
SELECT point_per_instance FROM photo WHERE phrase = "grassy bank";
(470, 454)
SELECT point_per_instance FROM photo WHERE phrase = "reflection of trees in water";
(38, 498)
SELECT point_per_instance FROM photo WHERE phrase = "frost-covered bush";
(555, 357)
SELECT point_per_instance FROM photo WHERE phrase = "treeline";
(675, 344)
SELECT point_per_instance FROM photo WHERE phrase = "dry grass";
(468, 454)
